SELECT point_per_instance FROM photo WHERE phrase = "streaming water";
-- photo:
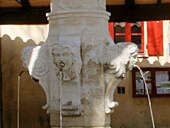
(60, 88)
(18, 98)
(60, 77)
(18, 101)
(148, 96)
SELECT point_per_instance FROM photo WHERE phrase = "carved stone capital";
(45, 63)
(79, 66)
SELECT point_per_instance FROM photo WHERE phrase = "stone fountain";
(79, 66)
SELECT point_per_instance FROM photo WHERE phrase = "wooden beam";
(139, 12)
(37, 15)
(158, 1)
(25, 3)
(129, 3)
(34, 15)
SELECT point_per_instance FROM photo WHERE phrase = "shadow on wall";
(32, 97)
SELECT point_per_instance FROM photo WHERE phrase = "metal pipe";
(18, 98)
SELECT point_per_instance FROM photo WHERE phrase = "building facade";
(152, 38)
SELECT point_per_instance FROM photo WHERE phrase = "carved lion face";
(124, 60)
(62, 57)
(132, 57)
(132, 61)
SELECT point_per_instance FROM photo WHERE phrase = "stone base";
(79, 121)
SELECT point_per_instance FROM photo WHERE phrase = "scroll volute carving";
(123, 59)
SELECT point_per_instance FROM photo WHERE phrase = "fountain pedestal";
(82, 24)
(78, 64)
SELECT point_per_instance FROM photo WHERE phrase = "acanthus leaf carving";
(34, 62)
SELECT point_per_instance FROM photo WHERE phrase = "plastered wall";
(32, 97)
(134, 112)
(131, 112)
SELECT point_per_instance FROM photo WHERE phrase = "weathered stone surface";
(79, 63)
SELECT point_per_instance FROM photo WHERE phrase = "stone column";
(78, 64)
(81, 23)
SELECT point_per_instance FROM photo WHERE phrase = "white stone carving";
(67, 5)
(124, 56)
(69, 62)
(34, 62)
(34, 59)
(98, 50)
(26, 56)
(63, 54)
(80, 57)
(44, 64)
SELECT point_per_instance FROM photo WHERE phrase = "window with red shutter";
(137, 35)
(155, 37)
(111, 30)
(128, 32)
(134, 32)
(119, 32)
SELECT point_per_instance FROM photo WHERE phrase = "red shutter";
(128, 32)
(111, 30)
(142, 38)
(155, 37)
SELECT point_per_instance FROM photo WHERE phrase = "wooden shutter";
(128, 32)
(111, 30)
(142, 38)
(155, 37)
